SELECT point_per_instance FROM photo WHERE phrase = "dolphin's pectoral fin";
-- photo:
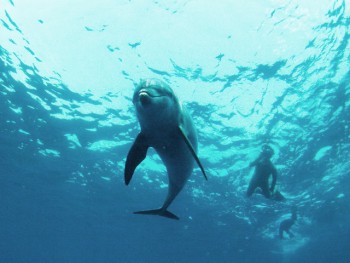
(136, 155)
(159, 212)
(190, 147)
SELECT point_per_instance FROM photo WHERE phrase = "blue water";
(249, 72)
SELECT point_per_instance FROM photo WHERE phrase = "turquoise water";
(249, 72)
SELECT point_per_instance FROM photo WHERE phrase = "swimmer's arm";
(254, 163)
(274, 179)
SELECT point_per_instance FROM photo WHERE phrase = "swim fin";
(159, 212)
(278, 196)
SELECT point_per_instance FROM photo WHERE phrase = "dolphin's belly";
(178, 160)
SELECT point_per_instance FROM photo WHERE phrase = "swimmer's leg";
(281, 233)
(291, 235)
(251, 188)
(266, 191)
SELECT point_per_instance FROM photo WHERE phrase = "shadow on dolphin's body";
(167, 127)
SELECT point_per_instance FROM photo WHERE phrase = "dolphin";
(168, 128)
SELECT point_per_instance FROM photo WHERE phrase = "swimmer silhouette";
(263, 169)
(286, 224)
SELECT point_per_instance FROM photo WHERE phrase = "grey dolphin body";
(167, 127)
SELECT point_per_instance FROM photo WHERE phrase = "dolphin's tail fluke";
(159, 212)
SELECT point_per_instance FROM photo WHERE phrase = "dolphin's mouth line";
(156, 96)
(150, 95)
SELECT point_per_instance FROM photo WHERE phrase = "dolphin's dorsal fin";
(136, 155)
(190, 147)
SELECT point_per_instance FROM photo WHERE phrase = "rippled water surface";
(249, 72)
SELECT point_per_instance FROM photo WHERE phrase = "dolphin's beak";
(144, 97)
